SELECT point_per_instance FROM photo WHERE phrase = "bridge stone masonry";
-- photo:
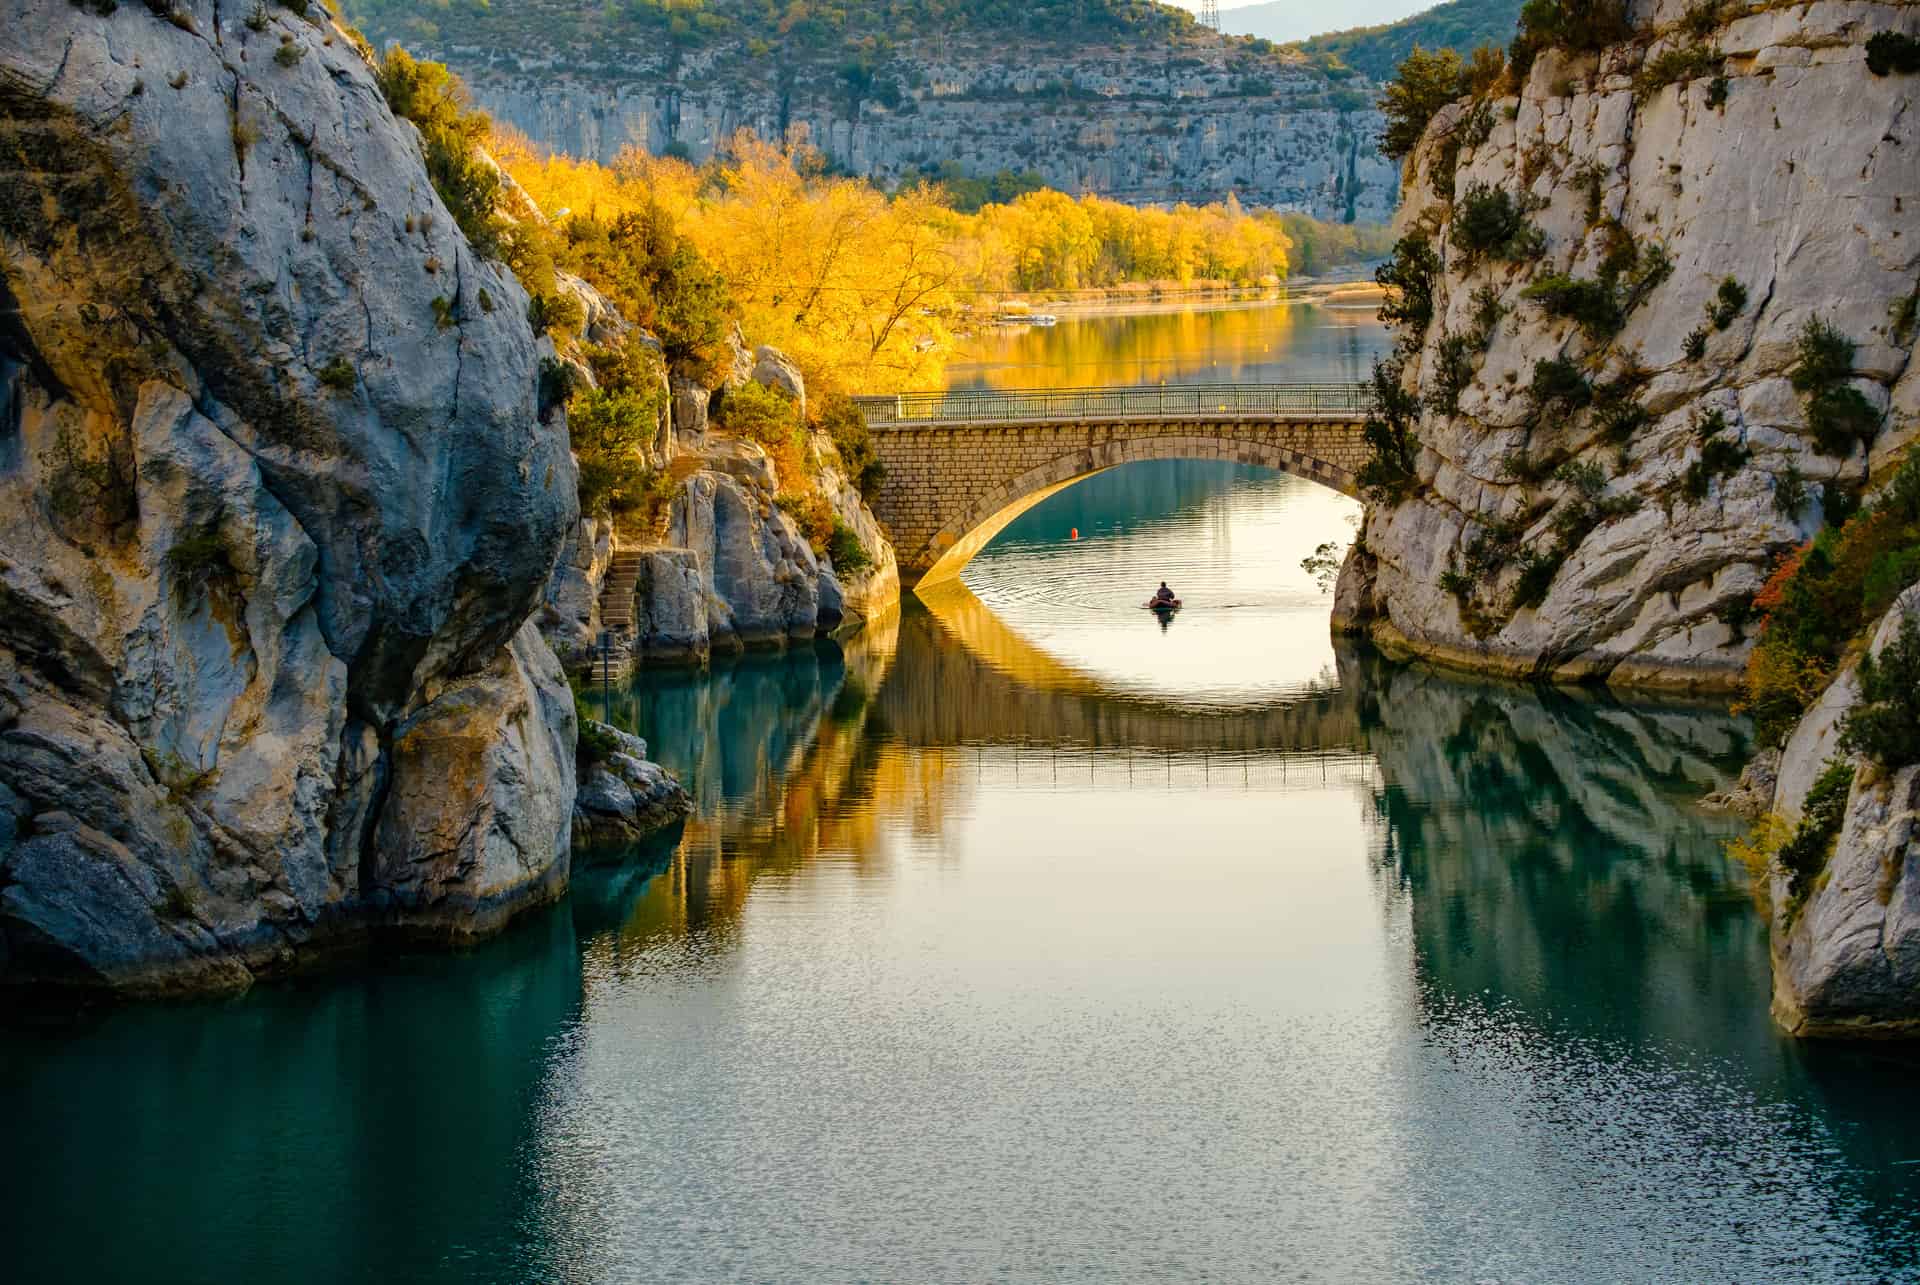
(961, 465)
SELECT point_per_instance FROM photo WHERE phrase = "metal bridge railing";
(1163, 401)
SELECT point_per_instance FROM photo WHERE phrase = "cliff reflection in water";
(1365, 978)
(1547, 843)
(1549, 847)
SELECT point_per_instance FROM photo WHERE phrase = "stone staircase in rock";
(617, 606)
(617, 622)
(616, 594)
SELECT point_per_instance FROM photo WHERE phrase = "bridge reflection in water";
(1533, 807)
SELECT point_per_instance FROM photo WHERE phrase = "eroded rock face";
(735, 570)
(1800, 186)
(625, 797)
(762, 580)
(275, 506)
(1142, 129)
(869, 592)
(1847, 961)
(671, 600)
(570, 617)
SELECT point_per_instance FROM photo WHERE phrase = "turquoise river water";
(1023, 937)
(1020, 938)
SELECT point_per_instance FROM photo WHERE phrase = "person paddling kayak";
(1163, 598)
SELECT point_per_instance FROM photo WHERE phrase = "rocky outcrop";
(276, 503)
(737, 572)
(570, 615)
(1763, 152)
(855, 595)
(732, 568)
(1847, 958)
(760, 580)
(1135, 122)
(623, 796)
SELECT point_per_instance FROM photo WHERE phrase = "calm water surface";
(1022, 939)
(1253, 342)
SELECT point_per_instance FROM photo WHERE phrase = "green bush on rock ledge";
(1489, 223)
(1804, 855)
(1559, 383)
(1822, 596)
(1839, 416)
(1893, 53)
(850, 556)
(1885, 724)
(1393, 450)
(1409, 277)
(1577, 26)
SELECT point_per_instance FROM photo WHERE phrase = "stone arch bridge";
(961, 465)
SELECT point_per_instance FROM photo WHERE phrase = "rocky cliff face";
(1847, 959)
(276, 502)
(734, 570)
(1137, 124)
(1611, 517)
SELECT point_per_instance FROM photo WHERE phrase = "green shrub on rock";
(1805, 854)
(1393, 450)
(1726, 303)
(1893, 53)
(655, 277)
(613, 425)
(766, 415)
(556, 314)
(1684, 63)
(610, 431)
(840, 419)
(1409, 278)
(1577, 26)
(1452, 372)
(1885, 723)
(1591, 305)
(1489, 223)
(850, 556)
(1825, 356)
(1838, 414)
(1424, 83)
(1558, 382)
(338, 375)
(1840, 417)
(1719, 457)
(430, 96)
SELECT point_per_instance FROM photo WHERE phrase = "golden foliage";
(1757, 848)
(863, 289)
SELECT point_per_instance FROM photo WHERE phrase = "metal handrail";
(1156, 401)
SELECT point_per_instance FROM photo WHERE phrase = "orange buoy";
(1075, 535)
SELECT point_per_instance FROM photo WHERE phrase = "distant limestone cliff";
(1128, 100)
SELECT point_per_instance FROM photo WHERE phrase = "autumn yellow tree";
(862, 287)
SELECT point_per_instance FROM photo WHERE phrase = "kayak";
(1154, 605)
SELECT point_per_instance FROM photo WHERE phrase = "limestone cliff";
(1137, 120)
(1846, 955)
(730, 567)
(721, 563)
(1610, 451)
(276, 502)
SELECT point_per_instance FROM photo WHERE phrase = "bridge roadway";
(961, 465)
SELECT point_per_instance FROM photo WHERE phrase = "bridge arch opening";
(974, 524)
(961, 465)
